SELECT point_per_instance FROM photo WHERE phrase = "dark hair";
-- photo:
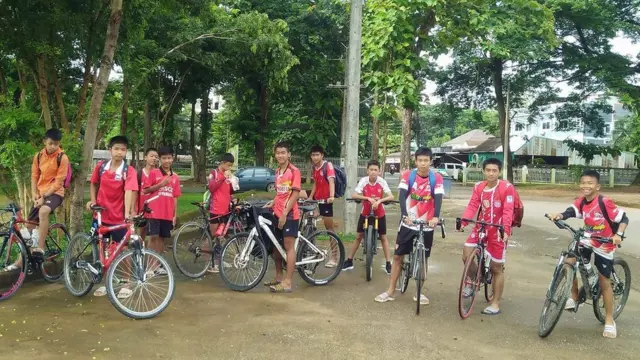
(591, 173)
(150, 150)
(118, 139)
(227, 157)
(373, 163)
(282, 145)
(53, 134)
(492, 161)
(317, 149)
(165, 150)
(424, 151)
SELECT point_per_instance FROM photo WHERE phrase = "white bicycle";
(244, 257)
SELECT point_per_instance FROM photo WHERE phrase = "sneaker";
(387, 268)
(348, 265)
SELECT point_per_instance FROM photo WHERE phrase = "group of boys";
(117, 188)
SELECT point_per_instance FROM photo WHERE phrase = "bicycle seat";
(197, 204)
(97, 208)
(307, 208)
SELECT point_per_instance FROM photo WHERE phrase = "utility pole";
(351, 137)
(505, 140)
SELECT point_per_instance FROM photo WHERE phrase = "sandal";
(102, 291)
(331, 264)
(10, 268)
(423, 299)
(279, 289)
(490, 311)
(384, 297)
(610, 331)
(272, 282)
(124, 293)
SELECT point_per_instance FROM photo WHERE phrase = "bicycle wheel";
(369, 245)
(81, 249)
(469, 283)
(327, 246)
(419, 271)
(243, 262)
(557, 296)
(192, 249)
(55, 245)
(405, 275)
(13, 266)
(150, 294)
(488, 288)
(621, 285)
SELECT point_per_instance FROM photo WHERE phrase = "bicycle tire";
(54, 277)
(463, 310)
(303, 270)
(618, 289)
(117, 303)
(563, 271)
(488, 288)
(4, 295)
(405, 275)
(419, 281)
(181, 261)
(259, 250)
(369, 244)
(69, 266)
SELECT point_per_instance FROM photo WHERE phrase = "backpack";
(103, 168)
(340, 187)
(67, 180)
(518, 207)
(206, 199)
(432, 180)
(614, 226)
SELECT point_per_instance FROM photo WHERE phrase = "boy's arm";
(473, 205)
(508, 204)
(93, 192)
(313, 190)
(175, 214)
(388, 195)
(332, 187)
(153, 188)
(357, 193)
(129, 198)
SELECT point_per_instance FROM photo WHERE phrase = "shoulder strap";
(39, 153)
(604, 211)
(432, 182)
(412, 179)
(59, 158)
(324, 171)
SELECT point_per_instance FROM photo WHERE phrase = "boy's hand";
(433, 222)
(228, 174)
(165, 181)
(556, 217)
(617, 239)
(39, 202)
(371, 200)
(376, 204)
(35, 196)
(89, 205)
(281, 221)
(330, 200)
(175, 221)
(268, 205)
(407, 221)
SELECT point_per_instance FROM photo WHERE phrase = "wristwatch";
(620, 233)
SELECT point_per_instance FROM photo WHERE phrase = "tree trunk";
(205, 126)
(98, 92)
(405, 147)
(498, 67)
(259, 144)
(3, 83)
(82, 102)
(23, 88)
(385, 130)
(192, 140)
(375, 139)
(43, 89)
(125, 107)
(135, 148)
(64, 122)
(147, 126)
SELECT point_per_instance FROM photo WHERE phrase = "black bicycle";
(309, 218)
(369, 247)
(416, 264)
(564, 274)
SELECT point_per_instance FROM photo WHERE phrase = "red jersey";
(286, 183)
(495, 205)
(596, 223)
(142, 197)
(322, 180)
(420, 204)
(220, 189)
(164, 207)
(112, 186)
(377, 190)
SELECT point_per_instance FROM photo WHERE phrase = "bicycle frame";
(418, 244)
(98, 231)
(14, 234)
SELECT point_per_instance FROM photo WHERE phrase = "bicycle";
(414, 266)
(558, 296)
(247, 254)
(471, 283)
(16, 259)
(370, 248)
(198, 242)
(309, 219)
(124, 268)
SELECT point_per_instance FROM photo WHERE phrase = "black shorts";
(53, 202)
(326, 210)
(404, 242)
(382, 224)
(159, 227)
(290, 229)
(116, 235)
(603, 264)
(218, 219)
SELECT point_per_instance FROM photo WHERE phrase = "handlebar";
(565, 226)
(10, 208)
(424, 223)
(358, 201)
(460, 220)
(310, 201)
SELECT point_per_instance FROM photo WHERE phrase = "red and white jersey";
(495, 204)
(596, 224)
(322, 180)
(420, 202)
(375, 190)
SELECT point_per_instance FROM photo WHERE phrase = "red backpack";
(518, 207)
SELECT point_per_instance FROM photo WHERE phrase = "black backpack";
(341, 179)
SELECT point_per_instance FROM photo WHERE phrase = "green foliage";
(440, 123)
(589, 151)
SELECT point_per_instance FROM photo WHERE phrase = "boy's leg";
(384, 241)
(497, 251)
(404, 244)
(289, 233)
(214, 223)
(604, 266)
(326, 211)
(428, 245)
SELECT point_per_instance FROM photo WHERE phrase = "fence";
(612, 177)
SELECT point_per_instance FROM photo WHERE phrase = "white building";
(216, 102)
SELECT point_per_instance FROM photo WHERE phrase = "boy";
(113, 184)
(419, 200)
(164, 183)
(221, 189)
(601, 217)
(495, 200)
(324, 186)
(373, 190)
(151, 162)
(47, 185)
(285, 208)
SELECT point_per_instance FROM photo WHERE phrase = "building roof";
(471, 138)
(489, 145)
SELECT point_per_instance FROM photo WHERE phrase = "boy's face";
(589, 186)
(423, 162)
(373, 171)
(316, 157)
(225, 166)
(282, 155)
(152, 158)
(118, 152)
(491, 172)
(166, 161)
(51, 146)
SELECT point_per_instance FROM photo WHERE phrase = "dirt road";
(339, 321)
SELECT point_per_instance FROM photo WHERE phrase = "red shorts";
(496, 249)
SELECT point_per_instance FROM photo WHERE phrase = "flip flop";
(102, 291)
(384, 297)
(279, 289)
(610, 331)
(272, 282)
(490, 311)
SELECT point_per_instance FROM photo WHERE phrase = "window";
(546, 125)
(216, 105)
(519, 126)
(246, 173)
(262, 173)
(528, 127)
(607, 129)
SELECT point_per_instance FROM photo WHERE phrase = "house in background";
(466, 141)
